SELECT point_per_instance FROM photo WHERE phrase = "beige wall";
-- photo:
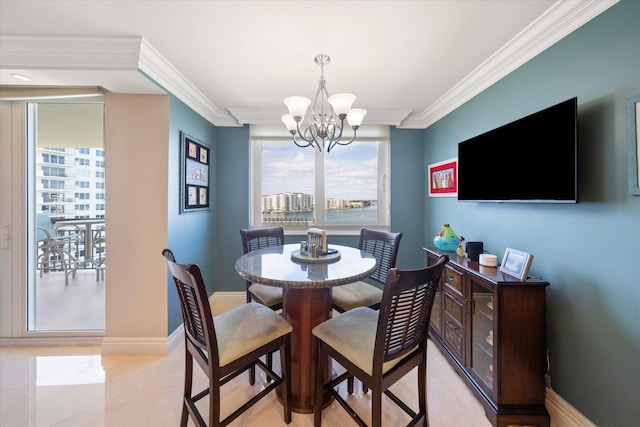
(136, 149)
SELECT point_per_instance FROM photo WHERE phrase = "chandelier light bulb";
(290, 123)
(341, 102)
(297, 105)
(355, 116)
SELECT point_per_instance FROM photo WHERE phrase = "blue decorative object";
(446, 239)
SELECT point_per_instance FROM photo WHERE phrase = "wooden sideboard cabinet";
(491, 328)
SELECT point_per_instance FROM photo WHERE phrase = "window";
(54, 184)
(53, 158)
(351, 181)
(52, 171)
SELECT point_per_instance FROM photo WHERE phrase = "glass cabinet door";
(436, 311)
(482, 335)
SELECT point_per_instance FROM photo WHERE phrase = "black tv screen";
(533, 159)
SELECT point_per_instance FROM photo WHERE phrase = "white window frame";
(336, 228)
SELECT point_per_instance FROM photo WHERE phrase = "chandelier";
(322, 129)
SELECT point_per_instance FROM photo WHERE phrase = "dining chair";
(270, 296)
(384, 248)
(55, 246)
(381, 346)
(226, 345)
(258, 238)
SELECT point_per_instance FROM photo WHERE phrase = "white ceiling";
(408, 62)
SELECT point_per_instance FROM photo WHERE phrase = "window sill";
(334, 230)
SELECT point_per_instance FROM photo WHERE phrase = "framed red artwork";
(443, 178)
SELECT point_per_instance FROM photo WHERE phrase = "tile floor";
(77, 386)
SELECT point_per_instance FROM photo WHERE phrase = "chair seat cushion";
(353, 334)
(269, 295)
(358, 294)
(246, 328)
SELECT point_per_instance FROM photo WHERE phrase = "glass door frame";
(21, 271)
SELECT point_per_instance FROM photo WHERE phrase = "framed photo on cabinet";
(195, 172)
(516, 263)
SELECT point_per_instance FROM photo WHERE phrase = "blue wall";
(190, 236)
(588, 251)
(407, 195)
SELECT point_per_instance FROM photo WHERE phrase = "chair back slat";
(406, 309)
(384, 248)
(258, 238)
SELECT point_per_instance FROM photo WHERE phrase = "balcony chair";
(98, 256)
(55, 247)
(226, 345)
(381, 346)
(384, 247)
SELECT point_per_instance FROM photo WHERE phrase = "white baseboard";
(142, 345)
(562, 413)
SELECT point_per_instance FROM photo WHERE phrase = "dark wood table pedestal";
(304, 309)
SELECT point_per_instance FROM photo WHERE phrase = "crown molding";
(54, 52)
(154, 65)
(560, 20)
(113, 54)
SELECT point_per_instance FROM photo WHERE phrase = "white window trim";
(335, 228)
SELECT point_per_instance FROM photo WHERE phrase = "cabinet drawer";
(453, 337)
(453, 279)
(453, 307)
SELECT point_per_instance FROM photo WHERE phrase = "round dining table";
(307, 300)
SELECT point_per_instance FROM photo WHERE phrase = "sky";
(350, 171)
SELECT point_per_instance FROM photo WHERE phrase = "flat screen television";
(530, 160)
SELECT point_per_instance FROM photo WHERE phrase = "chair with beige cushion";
(258, 238)
(384, 247)
(381, 346)
(227, 345)
(270, 296)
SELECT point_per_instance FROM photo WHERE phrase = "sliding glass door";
(66, 233)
